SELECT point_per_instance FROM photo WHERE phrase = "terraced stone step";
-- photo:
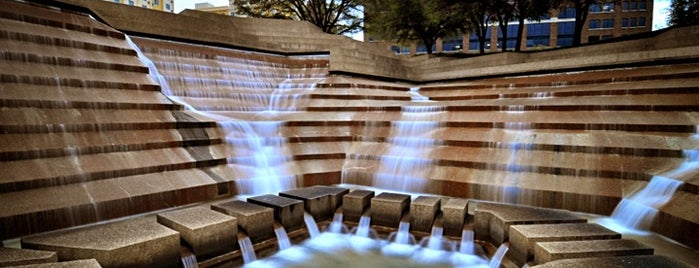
(621, 262)
(523, 238)
(13, 95)
(17, 257)
(142, 239)
(551, 251)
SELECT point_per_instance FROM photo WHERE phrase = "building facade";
(162, 5)
(604, 21)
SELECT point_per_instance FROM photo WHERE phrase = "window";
(156, 2)
(625, 6)
(538, 34)
(634, 6)
(565, 34)
(453, 43)
(605, 37)
(167, 6)
(117, 1)
(641, 21)
(594, 24)
(608, 23)
(624, 23)
(131, 3)
(633, 22)
(567, 13)
(642, 5)
(595, 8)
(608, 7)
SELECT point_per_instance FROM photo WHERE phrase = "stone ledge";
(653, 261)
(207, 232)
(551, 251)
(13, 256)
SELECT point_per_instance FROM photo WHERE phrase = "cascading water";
(282, 238)
(246, 249)
(336, 226)
(639, 209)
(467, 244)
(363, 228)
(311, 225)
(496, 260)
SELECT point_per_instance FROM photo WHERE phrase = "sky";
(659, 9)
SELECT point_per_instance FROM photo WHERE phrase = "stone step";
(87, 263)
(523, 238)
(208, 233)
(142, 239)
(551, 251)
(621, 262)
(17, 257)
(30, 174)
(76, 75)
(46, 209)
(492, 221)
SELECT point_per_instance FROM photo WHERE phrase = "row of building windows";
(625, 23)
(633, 5)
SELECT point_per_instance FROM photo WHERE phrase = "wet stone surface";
(455, 213)
(388, 208)
(423, 211)
(355, 203)
(207, 232)
(255, 220)
(320, 201)
(15, 257)
(550, 251)
(653, 261)
(288, 211)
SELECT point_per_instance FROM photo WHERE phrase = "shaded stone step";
(319, 200)
(287, 211)
(423, 212)
(16, 257)
(76, 73)
(493, 220)
(46, 209)
(88, 263)
(387, 209)
(50, 145)
(551, 251)
(455, 211)
(523, 238)
(622, 261)
(30, 174)
(208, 233)
(355, 203)
(142, 239)
(255, 221)
(65, 19)
(24, 57)
(52, 97)
(41, 51)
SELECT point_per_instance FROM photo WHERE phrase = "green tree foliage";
(331, 16)
(503, 12)
(684, 13)
(475, 18)
(413, 20)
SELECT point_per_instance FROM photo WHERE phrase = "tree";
(476, 16)
(684, 13)
(331, 16)
(529, 9)
(414, 20)
(504, 11)
(582, 9)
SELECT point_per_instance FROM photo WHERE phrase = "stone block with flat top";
(524, 237)
(320, 201)
(354, 204)
(255, 220)
(492, 220)
(207, 232)
(88, 263)
(455, 213)
(387, 209)
(642, 261)
(423, 211)
(130, 243)
(551, 251)
(15, 257)
(288, 211)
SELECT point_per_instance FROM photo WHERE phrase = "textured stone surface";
(320, 201)
(14, 257)
(355, 203)
(87, 263)
(387, 209)
(288, 211)
(551, 251)
(255, 220)
(207, 232)
(143, 240)
(655, 261)
(455, 212)
(523, 238)
(423, 212)
(492, 220)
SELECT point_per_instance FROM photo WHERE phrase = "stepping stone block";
(388, 208)
(551, 251)
(524, 237)
(652, 261)
(423, 211)
(88, 263)
(354, 204)
(255, 220)
(138, 242)
(288, 211)
(493, 220)
(454, 211)
(320, 201)
(15, 257)
(207, 232)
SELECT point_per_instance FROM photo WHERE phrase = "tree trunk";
(581, 10)
(503, 30)
(520, 34)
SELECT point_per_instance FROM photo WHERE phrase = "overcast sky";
(659, 9)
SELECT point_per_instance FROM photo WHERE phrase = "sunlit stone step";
(551, 251)
(623, 261)
(142, 239)
(523, 238)
(91, 55)
(106, 77)
(206, 232)
(46, 209)
(17, 257)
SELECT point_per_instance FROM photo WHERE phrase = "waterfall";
(403, 236)
(190, 261)
(311, 225)
(467, 245)
(639, 209)
(282, 238)
(246, 249)
(336, 225)
(496, 260)
(363, 229)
